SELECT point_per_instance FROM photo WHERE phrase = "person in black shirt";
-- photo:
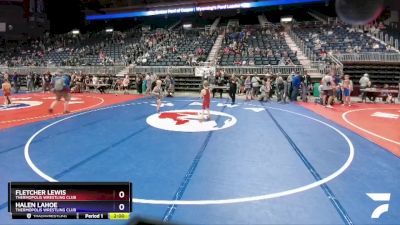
(139, 80)
(305, 87)
(233, 88)
(36, 81)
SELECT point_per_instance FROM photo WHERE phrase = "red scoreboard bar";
(70, 200)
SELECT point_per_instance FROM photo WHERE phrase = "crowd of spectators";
(93, 48)
(143, 83)
(263, 87)
(250, 46)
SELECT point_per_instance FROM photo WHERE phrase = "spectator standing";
(289, 83)
(118, 84)
(61, 87)
(139, 80)
(144, 85)
(153, 78)
(167, 84)
(15, 82)
(285, 91)
(87, 83)
(296, 82)
(46, 80)
(148, 84)
(79, 83)
(95, 80)
(29, 82)
(36, 82)
(97, 84)
(306, 87)
(255, 84)
(247, 88)
(327, 90)
(102, 85)
(172, 87)
(364, 83)
(241, 85)
(272, 85)
(125, 84)
(338, 89)
(265, 89)
(280, 86)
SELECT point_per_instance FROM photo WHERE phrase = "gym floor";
(252, 163)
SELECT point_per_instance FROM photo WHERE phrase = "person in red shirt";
(205, 94)
(6, 87)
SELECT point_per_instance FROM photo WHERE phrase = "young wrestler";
(6, 87)
(205, 94)
(347, 88)
(158, 93)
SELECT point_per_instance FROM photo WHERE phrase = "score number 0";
(121, 195)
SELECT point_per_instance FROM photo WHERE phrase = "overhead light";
(109, 30)
(75, 31)
(287, 19)
(187, 26)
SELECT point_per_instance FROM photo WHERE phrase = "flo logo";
(190, 121)
(379, 197)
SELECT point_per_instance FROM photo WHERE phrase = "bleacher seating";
(255, 47)
(243, 46)
(392, 31)
(91, 49)
(379, 73)
(181, 48)
(338, 39)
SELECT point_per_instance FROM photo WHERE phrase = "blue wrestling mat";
(251, 163)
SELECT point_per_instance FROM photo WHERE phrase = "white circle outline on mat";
(208, 202)
(344, 117)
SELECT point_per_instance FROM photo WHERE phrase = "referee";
(233, 88)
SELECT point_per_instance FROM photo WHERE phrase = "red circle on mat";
(383, 122)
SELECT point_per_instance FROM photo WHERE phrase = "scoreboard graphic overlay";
(70, 200)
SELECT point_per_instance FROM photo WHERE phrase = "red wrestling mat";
(29, 108)
(379, 123)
